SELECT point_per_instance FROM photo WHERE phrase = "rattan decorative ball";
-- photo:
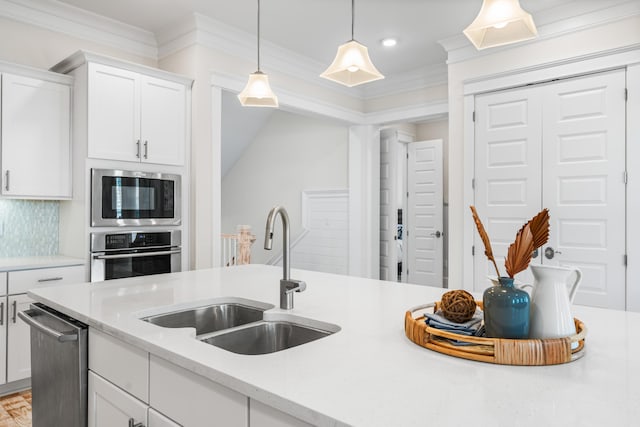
(458, 306)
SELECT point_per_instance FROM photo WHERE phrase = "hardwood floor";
(15, 409)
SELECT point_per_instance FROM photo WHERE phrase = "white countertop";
(369, 374)
(33, 262)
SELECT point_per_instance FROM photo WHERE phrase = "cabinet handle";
(50, 279)
(138, 149)
(6, 180)
(2, 313)
(15, 311)
(146, 149)
(132, 423)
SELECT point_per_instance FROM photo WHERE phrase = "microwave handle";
(138, 254)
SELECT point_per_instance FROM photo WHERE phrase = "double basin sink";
(243, 327)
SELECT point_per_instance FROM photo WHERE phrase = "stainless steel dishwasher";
(58, 367)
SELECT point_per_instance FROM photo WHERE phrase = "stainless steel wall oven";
(115, 255)
(126, 198)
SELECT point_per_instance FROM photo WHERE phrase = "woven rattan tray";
(531, 352)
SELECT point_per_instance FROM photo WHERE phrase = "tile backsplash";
(28, 227)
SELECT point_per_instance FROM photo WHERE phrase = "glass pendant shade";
(500, 22)
(257, 92)
(352, 66)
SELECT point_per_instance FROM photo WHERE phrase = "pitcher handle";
(574, 287)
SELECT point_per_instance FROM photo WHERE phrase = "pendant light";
(500, 22)
(257, 92)
(352, 65)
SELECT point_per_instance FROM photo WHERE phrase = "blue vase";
(506, 310)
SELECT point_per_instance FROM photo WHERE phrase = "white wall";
(292, 153)
(613, 35)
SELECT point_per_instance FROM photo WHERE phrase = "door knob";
(437, 234)
(549, 253)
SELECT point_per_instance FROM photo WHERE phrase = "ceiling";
(314, 28)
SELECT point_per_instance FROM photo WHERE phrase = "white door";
(389, 151)
(424, 217)
(583, 181)
(18, 339)
(36, 144)
(561, 146)
(110, 406)
(508, 174)
(163, 121)
(114, 113)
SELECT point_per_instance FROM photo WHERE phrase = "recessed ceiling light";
(389, 42)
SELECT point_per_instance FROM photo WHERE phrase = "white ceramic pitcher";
(551, 301)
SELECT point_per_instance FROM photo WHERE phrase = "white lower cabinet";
(176, 396)
(156, 419)
(193, 400)
(109, 406)
(261, 415)
(18, 339)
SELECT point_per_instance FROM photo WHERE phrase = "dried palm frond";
(539, 226)
(519, 253)
(485, 238)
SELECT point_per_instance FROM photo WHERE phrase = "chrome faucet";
(287, 285)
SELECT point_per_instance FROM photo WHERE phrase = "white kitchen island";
(367, 374)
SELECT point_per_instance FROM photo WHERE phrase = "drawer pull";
(15, 311)
(2, 313)
(50, 279)
(132, 423)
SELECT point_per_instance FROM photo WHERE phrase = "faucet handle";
(292, 285)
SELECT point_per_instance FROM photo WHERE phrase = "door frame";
(574, 67)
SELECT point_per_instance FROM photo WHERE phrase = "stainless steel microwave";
(124, 198)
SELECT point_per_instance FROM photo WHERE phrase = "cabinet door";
(163, 121)
(114, 113)
(18, 339)
(3, 338)
(36, 144)
(156, 419)
(261, 415)
(109, 406)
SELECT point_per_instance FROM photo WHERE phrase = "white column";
(364, 201)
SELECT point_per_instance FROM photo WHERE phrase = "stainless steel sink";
(269, 336)
(211, 318)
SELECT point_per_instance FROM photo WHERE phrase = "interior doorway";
(411, 209)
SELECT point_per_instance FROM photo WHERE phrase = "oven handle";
(138, 254)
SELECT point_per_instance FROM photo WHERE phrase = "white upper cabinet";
(135, 117)
(114, 113)
(36, 142)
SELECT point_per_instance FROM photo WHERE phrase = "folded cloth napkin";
(470, 327)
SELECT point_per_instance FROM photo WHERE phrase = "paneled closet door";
(561, 146)
(508, 183)
(583, 186)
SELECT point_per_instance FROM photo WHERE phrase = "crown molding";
(565, 19)
(216, 35)
(199, 29)
(66, 19)
(422, 78)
